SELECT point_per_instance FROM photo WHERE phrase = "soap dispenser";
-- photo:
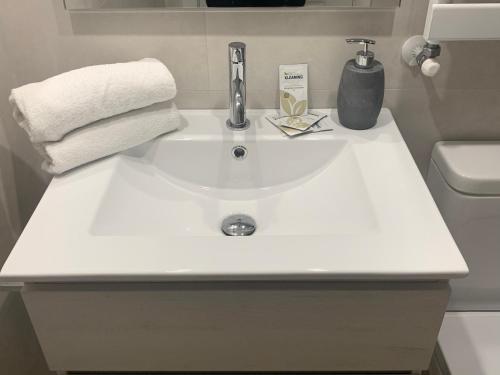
(361, 89)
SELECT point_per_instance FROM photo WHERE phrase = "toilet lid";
(471, 167)
(470, 342)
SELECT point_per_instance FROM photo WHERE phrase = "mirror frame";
(200, 5)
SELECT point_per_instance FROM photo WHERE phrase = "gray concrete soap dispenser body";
(361, 89)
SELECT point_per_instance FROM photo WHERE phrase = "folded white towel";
(108, 136)
(50, 109)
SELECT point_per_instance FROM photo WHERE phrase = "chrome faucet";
(237, 87)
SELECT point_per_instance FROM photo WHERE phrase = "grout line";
(215, 91)
(11, 286)
(209, 78)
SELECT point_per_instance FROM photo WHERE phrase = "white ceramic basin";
(202, 164)
(186, 185)
(338, 205)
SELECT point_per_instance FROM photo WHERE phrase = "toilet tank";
(464, 179)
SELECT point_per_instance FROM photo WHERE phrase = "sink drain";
(239, 225)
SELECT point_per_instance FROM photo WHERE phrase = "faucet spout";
(238, 115)
(237, 87)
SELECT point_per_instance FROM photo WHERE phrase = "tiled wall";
(39, 39)
(42, 39)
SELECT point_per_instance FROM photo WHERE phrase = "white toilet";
(464, 178)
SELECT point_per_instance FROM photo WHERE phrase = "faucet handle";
(237, 52)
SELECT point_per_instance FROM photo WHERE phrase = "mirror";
(79, 5)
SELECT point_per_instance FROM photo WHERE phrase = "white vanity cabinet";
(243, 326)
(126, 268)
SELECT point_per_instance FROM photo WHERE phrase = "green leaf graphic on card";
(297, 122)
(299, 108)
(286, 105)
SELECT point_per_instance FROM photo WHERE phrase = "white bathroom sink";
(186, 184)
(339, 205)
(266, 162)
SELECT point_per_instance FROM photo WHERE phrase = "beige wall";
(42, 39)
(39, 39)
(9, 222)
(20, 353)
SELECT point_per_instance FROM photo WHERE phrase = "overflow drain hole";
(239, 152)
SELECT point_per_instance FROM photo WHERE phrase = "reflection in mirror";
(75, 5)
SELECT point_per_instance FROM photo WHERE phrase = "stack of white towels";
(86, 114)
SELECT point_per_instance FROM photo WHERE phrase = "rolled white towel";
(50, 109)
(108, 136)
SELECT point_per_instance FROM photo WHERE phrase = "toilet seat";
(470, 342)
